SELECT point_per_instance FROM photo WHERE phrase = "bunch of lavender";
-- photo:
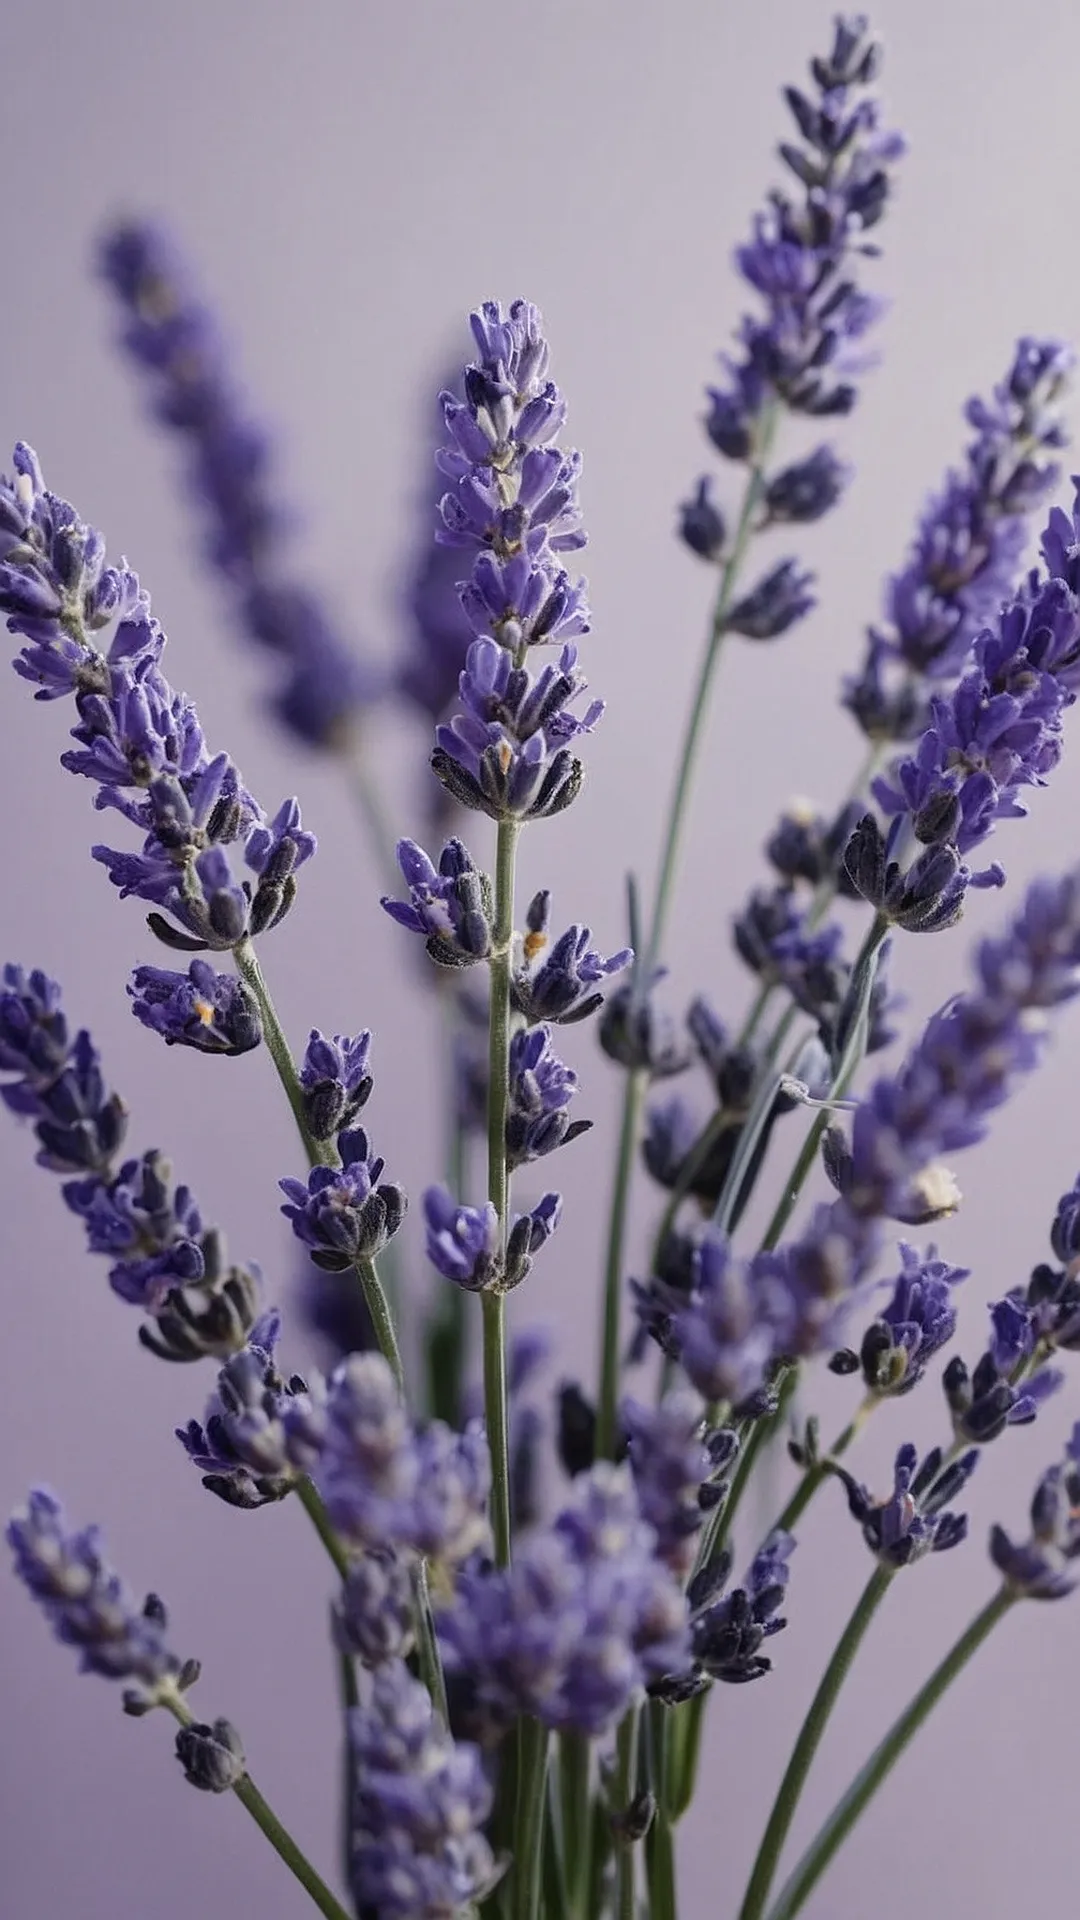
(525, 1669)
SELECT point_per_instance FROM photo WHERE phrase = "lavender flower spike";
(541, 1089)
(137, 738)
(513, 506)
(911, 1523)
(174, 341)
(335, 1081)
(966, 557)
(418, 1852)
(463, 1242)
(563, 987)
(260, 1431)
(88, 1606)
(451, 905)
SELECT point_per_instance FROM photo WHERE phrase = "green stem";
(659, 1841)
(320, 1520)
(529, 1820)
(862, 983)
(494, 1305)
(806, 1746)
(624, 1786)
(427, 1646)
(381, 842)
(382, 1319)
(869, 1778)
(815, 1475)
(699, 702)
(251, 973)
(264, 1816)
(607, 1400)
(350, 1698)
(575, 1806)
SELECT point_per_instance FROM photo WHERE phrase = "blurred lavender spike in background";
(175, 343)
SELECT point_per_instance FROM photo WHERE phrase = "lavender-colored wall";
(352, 178)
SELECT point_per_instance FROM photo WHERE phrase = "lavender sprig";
(175, 343)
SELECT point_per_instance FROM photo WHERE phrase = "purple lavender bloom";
(541, 1089)
(335, 1080)
(800, 257)
(983, 1403)
(155, 1227)
(562, 988)
(34, 1039)
(723, 1335)
(808, 488)
(80, 1125)
(212, 1756)
(420, 1802)
(88, 1606)
(806, 846)
(997, 732)
(514, 505)
(388, 1485)
(701, 524)
(1045, 1314)
(174, 341)
(640, 1035)
(675, 1461)
(580, 1622)
(727, 1628)
(344, 1214)
(451, 905)
(917, 1322)
(439, 630)
(463, 1242)
(1038, 1568)
(781, 597)
(212, 1012)
(373, 1619)
(807, 1287)
(966, 556)
(54, 585)
(1065, 1232)
(911, 1523)
(964, 1065)
(508, 753)
(142, 743)
(260, 1431)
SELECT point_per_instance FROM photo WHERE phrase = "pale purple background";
(351, 179)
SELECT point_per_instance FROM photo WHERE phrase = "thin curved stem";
(806, 1746)
(817, 1473)
(884, 1757)
(494, 1305)
(529, 1818)
(607, 1401)
(862, 984)
(312, 1504)
(623, 1787)
(279, 1837)
(251, 973)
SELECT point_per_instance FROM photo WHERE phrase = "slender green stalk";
(320, 1520)
(884, 1757)
(862, 983)
(660, 1724)
(607, 1401)
(427, 1646)
(636, 1080)
(382, 1319)
(365, 792)
(251, 973)
(699, 702)
(575, 1812)
(623, 1788)
(529, 1820)
(806, 1746)
(816, 1474)
(494, 1305)
(264, 1816)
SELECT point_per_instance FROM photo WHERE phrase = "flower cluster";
(89, 1607)
(137, 738)
(212, 1012)
(968, 549)
(912, 1521)
(513, 504)
(998, 731)
(163, 1259)
(584, 1618)
(463, 1242)
(344, 1213)
(175, 343)
(259, 1430)
(1039, 1567)
(420, 1802)
(727, 1628)
(678, 1464)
